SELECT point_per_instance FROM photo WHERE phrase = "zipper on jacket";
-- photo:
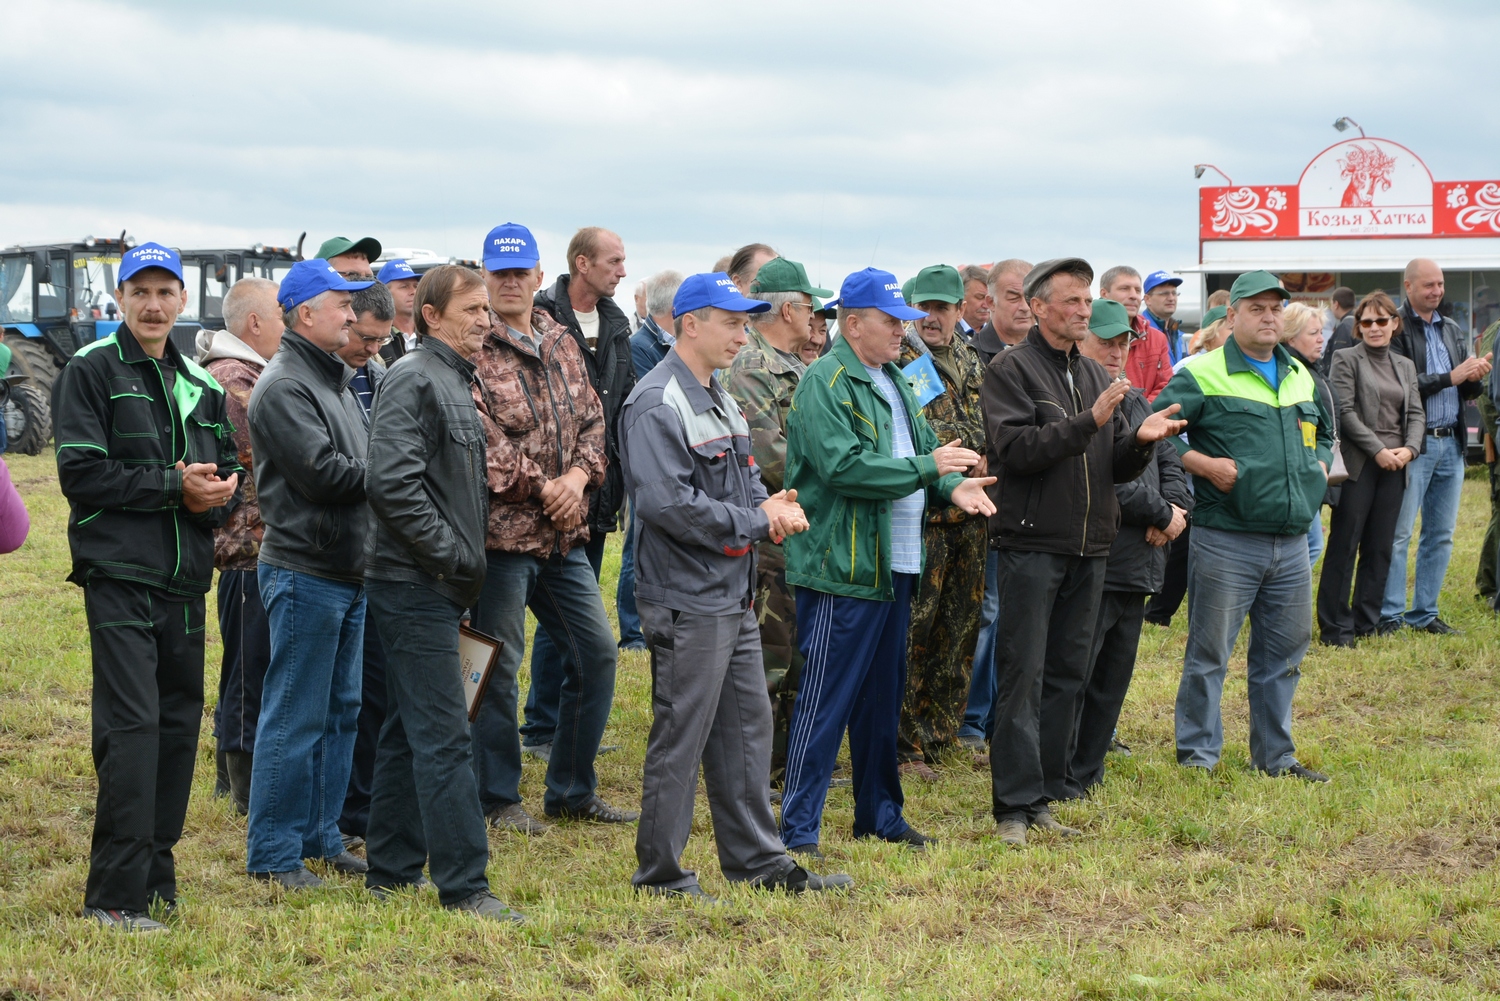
(172, 419)
(1088, 499)
(556, 429)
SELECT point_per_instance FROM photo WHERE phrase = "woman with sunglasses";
(1382, 424)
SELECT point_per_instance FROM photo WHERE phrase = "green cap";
(906, 288)
(781, 275)
(940, 283)
(369, 246)
(1213, 316)
(1109, 320)
(1254, 283)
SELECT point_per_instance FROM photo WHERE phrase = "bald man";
(1446, 376)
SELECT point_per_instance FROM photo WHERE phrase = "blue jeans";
(564, 596)
(1434, 485)
(547, 670)
(1230, 575)
(630, 621)
(1315, 539)
(979, 717)
(309, 714)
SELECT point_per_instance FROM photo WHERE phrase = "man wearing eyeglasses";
(1160, 288)
(351, 258)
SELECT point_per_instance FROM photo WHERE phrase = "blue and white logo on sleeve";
(922, 375)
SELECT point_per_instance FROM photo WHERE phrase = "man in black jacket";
(309, 436)
(1153, 511)
(581, 301)
(145, 458)
(426, 487)
(1058, 446)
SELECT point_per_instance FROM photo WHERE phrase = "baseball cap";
(713, 289)
(1214, 315)
(781, 275)
(149, 255)
(829, 310)
(1109, 320)
(875, 289)
(939, 282)
(1254, 283)
(510, 246)
(1156, 278)
(369, 246)
(395, 271)
(1047, 269)
(312, 278)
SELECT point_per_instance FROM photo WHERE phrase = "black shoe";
(513, 817)
(221, 772)
(351, 841)
(1297, 770)
(1347, 644)
(386, 893)
(694, 893)
(911, 839)
(291, 879)
(808, 851)
(348, 864)
(129, 921)
(1164, 623)
(485, 904)
(1440, 628)
(240, 765)
(799, 880)
(1388, 626)
(596, 811)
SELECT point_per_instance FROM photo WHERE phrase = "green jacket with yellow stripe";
(838, 459)
(1276, 438)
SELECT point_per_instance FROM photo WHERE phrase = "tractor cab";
(208, 275)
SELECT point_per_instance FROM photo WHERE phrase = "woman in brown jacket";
(1382, 424)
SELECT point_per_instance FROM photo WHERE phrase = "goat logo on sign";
(1367, 170)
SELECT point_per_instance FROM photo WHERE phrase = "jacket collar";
(775, 360)
(1411, 314)
(330, 366)
(1062, 359)
(654, 330)
(226, 345)
(463, 366)
(612, 322)
(541, 322)
(1234, 360)
(698, 395)
(853, 366)
(987, 339)
(131, 352)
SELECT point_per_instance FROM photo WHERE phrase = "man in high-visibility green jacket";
(1259, 447)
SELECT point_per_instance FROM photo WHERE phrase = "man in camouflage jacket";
(946, 609)
(762, 380)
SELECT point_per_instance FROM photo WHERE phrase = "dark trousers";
(1164, 604)
(247, 653)
(853, 678)
(1049, 604)
(148, 703)
(356, 816)
(1489, 549)
(1364, 524)
(1117, 635)
(426, 802)
(548, 670)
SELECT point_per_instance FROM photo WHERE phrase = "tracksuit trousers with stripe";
(854, 678)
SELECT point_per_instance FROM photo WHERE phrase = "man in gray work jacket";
(700, 509)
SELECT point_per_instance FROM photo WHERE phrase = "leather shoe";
(1044, 821)
(386, 893)
(694, 893)
(1012, 832)
(799, 880)
(911, 839)
(918, 769)
(348, 863)
(514, 817)
(1300, 771)
(595, 811)
(485, 904)
(129, 921)
(1440, 628)
(292, 879)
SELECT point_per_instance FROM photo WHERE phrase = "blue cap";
(149, 255)
(713, 289)
(1156, 278)
(394, 271)
(875, 289)
(308, 279)
(510, 245)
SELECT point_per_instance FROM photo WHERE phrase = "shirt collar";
(663, 338)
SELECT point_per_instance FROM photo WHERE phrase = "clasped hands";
(1161, 536)
(562, 499)
(202, 488)
(1392, 459)
(785, 515)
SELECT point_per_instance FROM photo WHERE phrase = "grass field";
(1227, 885)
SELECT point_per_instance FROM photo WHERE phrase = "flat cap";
(1047, 269)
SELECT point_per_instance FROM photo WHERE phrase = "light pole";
(1343, 125)
(1199, 168)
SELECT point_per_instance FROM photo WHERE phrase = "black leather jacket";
(426, 475)
(612, 371)
(1412, 342)
(308, 435)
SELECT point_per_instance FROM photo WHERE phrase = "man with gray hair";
(1010, 316)
(976, 305)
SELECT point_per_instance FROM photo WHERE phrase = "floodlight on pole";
(1199, 168)
(1343, 125)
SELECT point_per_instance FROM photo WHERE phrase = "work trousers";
(147, 707)
(708, 704)
(1049, 604)
(247, 653)
(853, 678)
(1364, 524)
(426, 803)
(548, 667)
(1489, 549)
(355, 818)
(1117, 636)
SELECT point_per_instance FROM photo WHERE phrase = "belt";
(1446, 432)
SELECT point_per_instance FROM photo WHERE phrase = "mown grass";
(1227, 885)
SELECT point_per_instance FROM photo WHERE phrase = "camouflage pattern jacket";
(762, 381)
(541, 417)
(956, 413)
(236, 365)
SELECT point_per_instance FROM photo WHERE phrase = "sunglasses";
(1378, 321)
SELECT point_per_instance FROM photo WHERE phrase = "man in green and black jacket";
(1259, 447)
(145, 458)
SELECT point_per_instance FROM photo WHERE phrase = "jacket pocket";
(132, 414)
(1246, 425)
(326, 531)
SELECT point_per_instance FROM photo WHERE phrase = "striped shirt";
(1442, 406)
(906, 513)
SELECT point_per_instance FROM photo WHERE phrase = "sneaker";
(596, 811)
(351, 841)
(515, 818)
(1044, 821)
(1440, 628)
(1297, 770)
(807, 851)
(291, 879)
(348, 864)
(694, 893)
(799, 880)
(387, 893)
(910, 838)
(1012, 832)
(485, 904)
(918, 769)
(541, 752)
(130, 921)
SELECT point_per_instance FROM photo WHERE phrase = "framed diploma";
(477, 654)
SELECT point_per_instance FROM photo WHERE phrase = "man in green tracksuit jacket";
(1259, 447)
(863, 461)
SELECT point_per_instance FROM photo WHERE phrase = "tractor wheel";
(28, 420)
(32, 358)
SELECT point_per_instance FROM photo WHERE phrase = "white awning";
(1389, 254)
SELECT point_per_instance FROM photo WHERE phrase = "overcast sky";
(843, 133)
